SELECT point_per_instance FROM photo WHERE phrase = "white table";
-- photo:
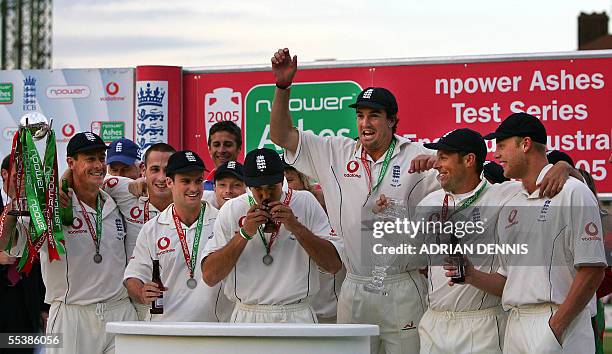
(203, 337)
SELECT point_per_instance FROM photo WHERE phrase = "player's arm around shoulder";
(314, 233)
(222, 251)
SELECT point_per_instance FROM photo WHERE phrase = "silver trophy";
(39, 126)
(394, 210)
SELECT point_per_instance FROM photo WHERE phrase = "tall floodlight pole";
(26, 34)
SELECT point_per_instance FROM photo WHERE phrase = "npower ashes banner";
(98, 100)
(570, 93)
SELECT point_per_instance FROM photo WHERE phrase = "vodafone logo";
(241, 221)
(79, 91)
(68, 130)
(77, 223)
(111, 182)
(9, 132)
(135, 212)
(591, 229)
(163, 243)
(112, 88)
(352, 167)
(512, 218)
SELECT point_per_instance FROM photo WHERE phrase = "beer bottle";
(66, 213)
(157, 306)
(458, 261)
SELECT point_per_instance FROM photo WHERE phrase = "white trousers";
(83, 327)
(294, 313)
(397, 314)
(528, 332)
(474, 332)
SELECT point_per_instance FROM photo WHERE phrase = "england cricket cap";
(463, 139)
(376, 98)
(230, 168)
(84, 141)
(184, 161)
(123, 150)
(263, 167)
(521, 125)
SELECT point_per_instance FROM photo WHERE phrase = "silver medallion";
(192, 283)
(267, 259)
(97, 258)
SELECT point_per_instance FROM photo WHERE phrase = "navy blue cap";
(521, 125)
(263, 167)
(123, 150)
(376, 98)
(230, 168)
(84, 141)
(463, 139)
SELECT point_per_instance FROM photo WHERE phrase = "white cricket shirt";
(563, 233)
(293, 276)
(336, 163)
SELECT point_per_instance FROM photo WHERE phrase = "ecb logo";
(30, 102)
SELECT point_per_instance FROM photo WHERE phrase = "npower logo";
(72, 91)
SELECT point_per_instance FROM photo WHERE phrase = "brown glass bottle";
(157, 305)
(458, 261)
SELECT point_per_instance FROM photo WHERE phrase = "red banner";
(571, 95)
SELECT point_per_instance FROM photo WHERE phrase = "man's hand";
(255, 217)
(138, 187)
(556, 328)
(451, 270)
(422, 163)
(149, 292)
(555, 179)
(7, 259)
(65, 198)
(282, 213)
(381, 204)
(284, 67)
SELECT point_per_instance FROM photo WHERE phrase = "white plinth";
(202, 337)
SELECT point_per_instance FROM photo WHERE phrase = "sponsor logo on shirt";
(163, 244)
(241, 221)
(592, 230)
(135, 212)
(512, 218)
(111, 182)
(352, 167)
(77, 224)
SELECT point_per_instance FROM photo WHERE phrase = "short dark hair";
(6, 162)
(479, 160)
(227, 126)
(160, 147)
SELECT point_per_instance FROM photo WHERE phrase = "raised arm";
(282, 131)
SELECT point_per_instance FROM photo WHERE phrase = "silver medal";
(192, 283)
(267, 259)
(97, 258)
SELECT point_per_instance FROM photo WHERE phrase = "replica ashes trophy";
(36, 191)
(394, 210)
